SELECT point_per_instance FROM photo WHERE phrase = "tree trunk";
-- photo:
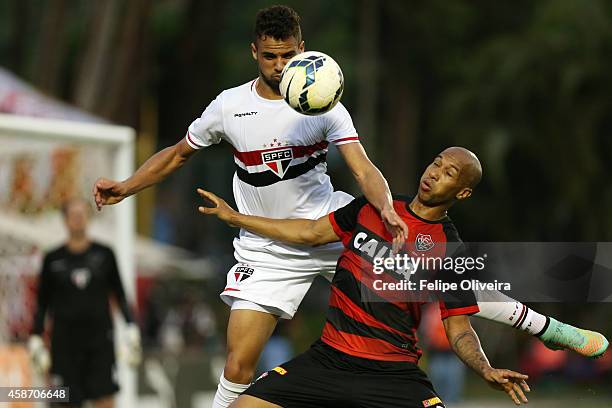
(19, 36)
(400, 103)
(400, 164)
(92, 77)
(124, 96)
(52, 47)
(367, 76)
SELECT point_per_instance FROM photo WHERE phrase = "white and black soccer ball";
(312, 83)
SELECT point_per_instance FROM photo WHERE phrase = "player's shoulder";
(359, 202)
(354, 208)
(405, 200)
(234, 98)
(402, 198)
(100, 248)
(57, 252)
(237, 92)
(450, 230)
(338, 111)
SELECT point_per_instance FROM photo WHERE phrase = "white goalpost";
(43, 162)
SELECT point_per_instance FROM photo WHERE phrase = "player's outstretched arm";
(465, 343)
(296, 231)
(375, 189)
(154, 170)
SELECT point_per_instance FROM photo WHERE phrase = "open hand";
(511, 382)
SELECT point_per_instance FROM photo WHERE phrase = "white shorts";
(278, 282)
(239, 304)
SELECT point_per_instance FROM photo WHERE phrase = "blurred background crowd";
(526, 85)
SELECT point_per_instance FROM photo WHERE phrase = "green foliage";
(524, 84)
(534, 103)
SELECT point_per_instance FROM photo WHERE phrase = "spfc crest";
(243, 272)
(80, 277)
(278, 160)
(423, 242)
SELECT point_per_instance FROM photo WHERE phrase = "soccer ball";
(312, 83)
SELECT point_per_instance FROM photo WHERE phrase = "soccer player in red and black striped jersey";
(368, 353)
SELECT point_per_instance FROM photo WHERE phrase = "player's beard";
(274, 84)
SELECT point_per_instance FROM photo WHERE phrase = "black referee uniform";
(75, 288)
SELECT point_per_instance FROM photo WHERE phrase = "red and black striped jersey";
(366, 322)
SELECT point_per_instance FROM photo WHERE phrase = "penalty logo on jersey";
(243, 272)
(278, 160)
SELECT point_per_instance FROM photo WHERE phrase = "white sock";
(227, 392)
(501, 308)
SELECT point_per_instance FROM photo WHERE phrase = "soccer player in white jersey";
(280, 173)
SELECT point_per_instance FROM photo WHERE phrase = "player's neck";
(78, 244)
(426, 212)
(265, 91)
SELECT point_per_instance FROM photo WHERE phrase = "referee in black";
(75, 286)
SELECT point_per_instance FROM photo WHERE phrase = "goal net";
(42, 163)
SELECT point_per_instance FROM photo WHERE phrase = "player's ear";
(254, 51)
(301, 46)
(464, 193)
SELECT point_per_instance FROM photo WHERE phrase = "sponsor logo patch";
(423, 242)
(430, 402)
(278, 160)
(280, 370)
(243, 272)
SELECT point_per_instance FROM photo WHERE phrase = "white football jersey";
(279, 156)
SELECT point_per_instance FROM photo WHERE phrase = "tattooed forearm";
(467, 346)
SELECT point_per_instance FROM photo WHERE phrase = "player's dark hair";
(278, 22)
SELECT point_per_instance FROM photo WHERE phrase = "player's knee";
(237, 370)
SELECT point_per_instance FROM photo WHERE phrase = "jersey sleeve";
(117, 287)
(42, 298)
(208, 129)
(344, 220)
(340, 129)
(460, 301)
